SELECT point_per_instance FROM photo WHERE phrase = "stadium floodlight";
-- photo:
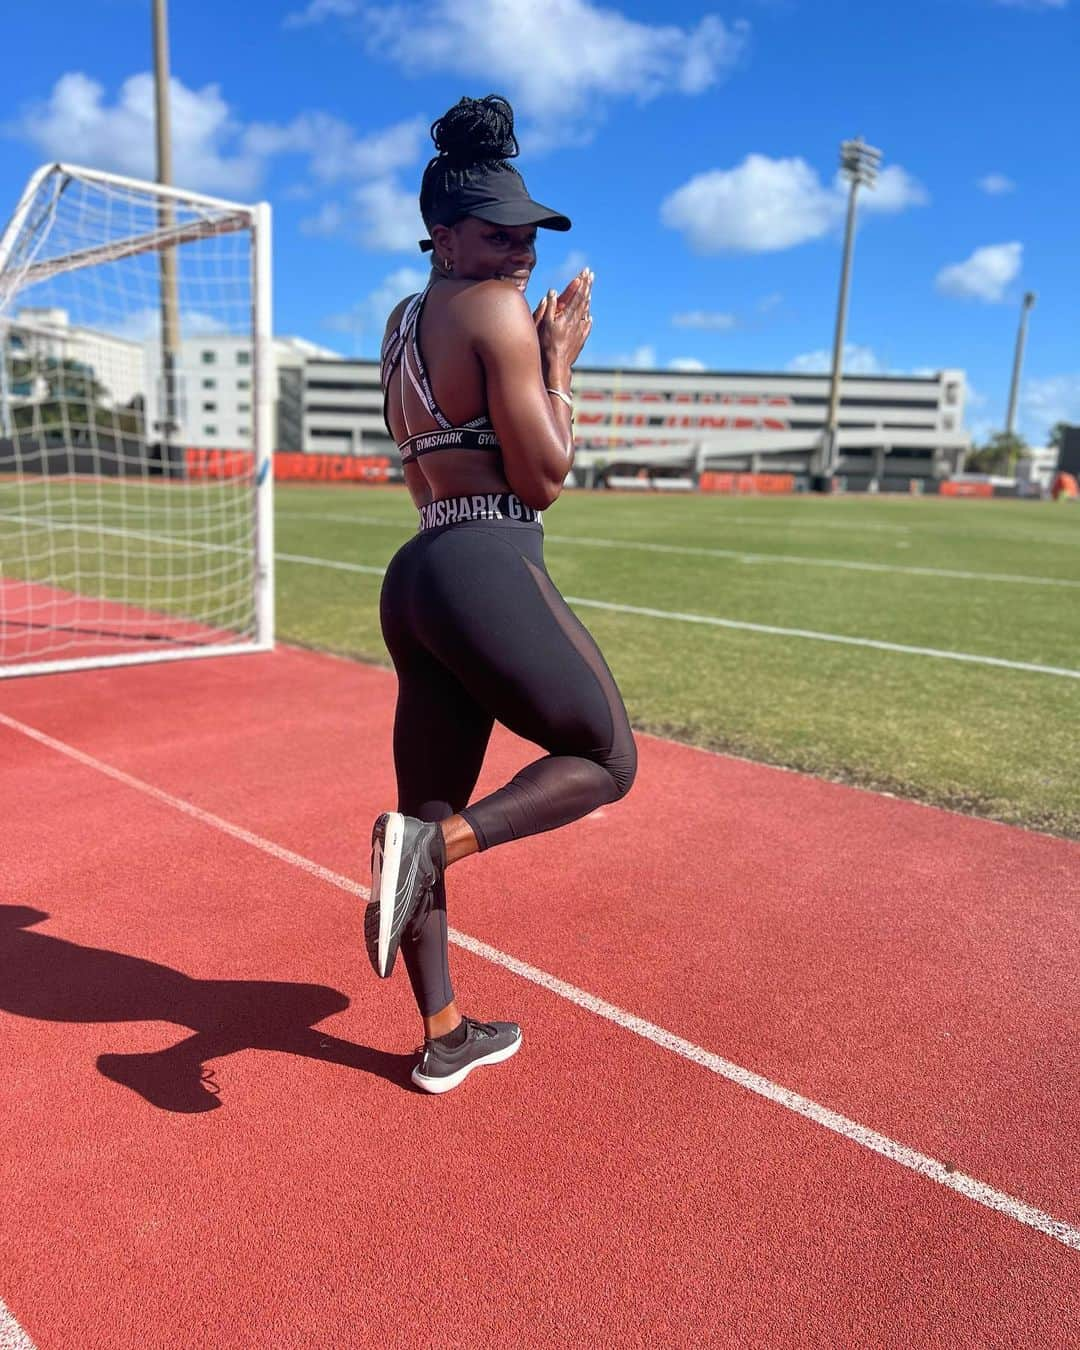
(1026, 306)
(859, 164)
(123, 539)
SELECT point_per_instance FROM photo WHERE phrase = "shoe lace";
(484, 1028)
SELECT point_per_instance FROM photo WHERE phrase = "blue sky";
(694, 146)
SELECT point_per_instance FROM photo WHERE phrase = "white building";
(216, 389)
(342, 409)
(890, 427)
(117, 362)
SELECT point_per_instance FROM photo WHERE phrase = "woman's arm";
(522, 357)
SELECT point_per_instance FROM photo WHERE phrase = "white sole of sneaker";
(454, 1079)
(385, 866)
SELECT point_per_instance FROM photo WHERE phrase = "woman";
(477, 397)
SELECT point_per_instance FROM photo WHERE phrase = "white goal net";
(135, 425)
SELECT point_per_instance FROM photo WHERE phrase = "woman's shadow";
(54, 980)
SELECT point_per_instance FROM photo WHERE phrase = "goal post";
(137, 409)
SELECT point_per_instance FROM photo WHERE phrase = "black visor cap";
(498, 195)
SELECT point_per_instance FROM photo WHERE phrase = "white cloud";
(77, 122)
(378, 215)
(642, 357)
(558, 60)
(857, 361)
(1033, 4)
(367, 318)
(562, 273)
(214, 152)
(139, 324)
(995, 184)
(328, 221)
(769, 302)
(983, 276)
(764, 205)
(894, 191)
(335, 151)
(701, 318)
(388, 217)
(318, 10)
(761, 206)
(686, 363)
(1053, 398)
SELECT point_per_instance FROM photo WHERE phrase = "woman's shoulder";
(396, 313)
(494, 301)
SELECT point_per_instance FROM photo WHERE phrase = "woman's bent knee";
(623, 770)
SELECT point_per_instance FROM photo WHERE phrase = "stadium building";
(891, 428)
(116, 363)
(217, 391)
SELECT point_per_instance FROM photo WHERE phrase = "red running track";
(45, 623)
(912, 970)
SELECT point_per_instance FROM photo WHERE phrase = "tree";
(999, 455)
(1056, 438)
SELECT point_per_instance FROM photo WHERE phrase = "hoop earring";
(448, 265)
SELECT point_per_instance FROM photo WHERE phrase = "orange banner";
(950, 489)
(201, 463)
(289, 466)
(292, 466)
(747, 483)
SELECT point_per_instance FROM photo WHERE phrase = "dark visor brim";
(525, 212)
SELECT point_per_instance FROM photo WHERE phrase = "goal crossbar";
(158, 242)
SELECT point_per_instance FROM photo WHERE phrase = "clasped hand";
(563, 322)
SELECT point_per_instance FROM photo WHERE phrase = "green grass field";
(998, 581)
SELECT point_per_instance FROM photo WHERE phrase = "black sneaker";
(407, 859)
(441, 1069)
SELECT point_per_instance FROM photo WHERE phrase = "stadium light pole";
(1026, 306)
(170, 303)
(859, 165)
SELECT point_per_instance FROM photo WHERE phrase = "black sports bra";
(403, 345)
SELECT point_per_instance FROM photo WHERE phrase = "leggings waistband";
(478, 506)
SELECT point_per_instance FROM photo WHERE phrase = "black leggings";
(478, 632)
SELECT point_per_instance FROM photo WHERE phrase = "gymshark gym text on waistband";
(479, 506)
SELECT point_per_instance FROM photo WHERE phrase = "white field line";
(741, 625)
(12, 1336)
(787, 559)
(753, 522)
(745, 626)
(684, 550)
(942, 1173)
(1060, 533)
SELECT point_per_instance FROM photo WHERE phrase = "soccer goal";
(136, 425)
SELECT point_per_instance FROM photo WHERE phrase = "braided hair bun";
(472, 175)
(476, 130)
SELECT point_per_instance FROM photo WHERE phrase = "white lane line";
(12, 1336)
(745, 625)
(737, 555)
(931, 1168)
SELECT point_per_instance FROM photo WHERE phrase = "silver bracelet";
(566, 398)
